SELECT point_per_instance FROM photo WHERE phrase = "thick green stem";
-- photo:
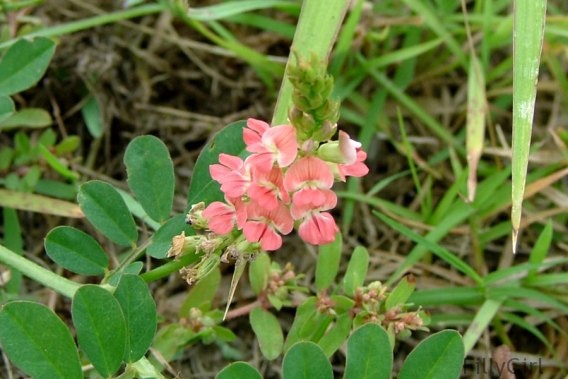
(170, 267)
(34, 271)
(315, 34)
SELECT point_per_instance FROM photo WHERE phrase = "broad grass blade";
(529, 20)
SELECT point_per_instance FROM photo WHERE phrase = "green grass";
(465, 147)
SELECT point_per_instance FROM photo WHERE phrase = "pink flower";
(343, 151)
(348, 148)
(232, 174)
(276, 144)
(263, 225)
(222, 217)
(267, 188)
(318, 228)
(310, 179)
(253, 132)
(356, 169)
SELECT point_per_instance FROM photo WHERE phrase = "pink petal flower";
(267, 188)
(278, 144)
(343, 151)
(253, 132)
(348, 148)
(357, 169)
(257, 231)
(318, 228)
(263, 225)
(307, 200)
(310, 172)
(281, 140)
(232, 174)
(220, 217)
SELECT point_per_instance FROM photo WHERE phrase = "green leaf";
(306, 360)
(336, 335)
(259, 271)
(24, 64)
(38, 342)
(440, 355)
(7, 107)
(68, 145)
(139, 311)
(239, 370)
(105, 209)
(76, 251)
(56, 163)
(400, 294)
(529, 22)
(162, 239)
(151, 175)
(369, 354)
(92, 115)
(29, 117)
(356, 270)
(268, 332)
(231, 8)
(100, 326)
(304, 313)
(328, 263)
(228, 141)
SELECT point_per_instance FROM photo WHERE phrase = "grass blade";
(529, 20)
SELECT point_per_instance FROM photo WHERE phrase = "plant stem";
(172, 266)
(42, 275)
(315, 34)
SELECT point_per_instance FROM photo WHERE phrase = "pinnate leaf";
(306, 360)
(356, 270)
(76, 251)
(151, 175)
(139, 311)
(101, 328)
(239, 370)
(440, 355)
(105, 209)
(38, 342)
(24, 64)
(369, 354)
(268, 332)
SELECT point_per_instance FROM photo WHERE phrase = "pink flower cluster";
(283, 183)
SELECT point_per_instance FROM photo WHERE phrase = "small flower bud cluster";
(284, 183)
(370, 307)
(314, 113)
(281, 281)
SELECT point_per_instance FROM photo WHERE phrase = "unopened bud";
(195, 216)
(182, 245)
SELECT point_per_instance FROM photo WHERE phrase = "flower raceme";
(282, 183)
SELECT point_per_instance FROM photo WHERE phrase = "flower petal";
(308, 170)
(220, 217)
(281, 140)
(318, 229)
(252, 134)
